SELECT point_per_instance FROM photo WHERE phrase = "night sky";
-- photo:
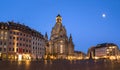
(90, 22)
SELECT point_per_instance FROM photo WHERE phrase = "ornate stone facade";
(59, 44)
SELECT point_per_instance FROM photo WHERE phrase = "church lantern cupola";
(58, 19)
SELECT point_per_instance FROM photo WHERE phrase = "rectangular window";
(13, 49)
(9, 49)
(20, 44)
(20, 39)
(1, 37)
(13, 43)
(17, 38)
(26, 40)
(23, 39)
(14, 32)
(5, 37)
(2, 32)
(10, 37)
(17, 49)
(29, 51)
(23, 44)
(13, 37)
(4, 43)
(0, 49)
(61, 48)
(29, 45)
(20, 33)
(0, 43)
(26, 45)
(29, 41)
(26, 35)
(5, 33)
(10, 43)
(17, 33)
(4, 49)
(26, 50)
(5, 27)
(10, 32)
(23, 50)
(17, 44)
(1, 27)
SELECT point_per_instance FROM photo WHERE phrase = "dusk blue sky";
(81, 18)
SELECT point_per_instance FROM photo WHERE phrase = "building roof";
(58, 15)
(21, 27)
(105, 45)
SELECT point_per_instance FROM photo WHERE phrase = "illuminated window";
(5, 37)
(61, 48)
(1, 37)
(5, 33)
(5, 27)
(2, 27)
(61, 41)
(19, 57)
(1, 32)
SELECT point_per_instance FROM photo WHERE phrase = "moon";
(104, 15)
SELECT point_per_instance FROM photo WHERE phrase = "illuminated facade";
(38, 46)
(16, 41)
(59, 44)
(3, 40)
(78, 55)
(105, 50)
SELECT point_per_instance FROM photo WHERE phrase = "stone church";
(60, 46)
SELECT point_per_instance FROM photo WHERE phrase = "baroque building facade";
(18, 41)
(59, 44)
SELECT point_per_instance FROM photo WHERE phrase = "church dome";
(58, 30)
